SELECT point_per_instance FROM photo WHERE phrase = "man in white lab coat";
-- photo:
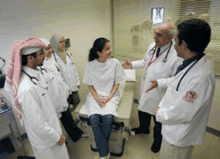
(39, 117)
(185, 107)
(160, 61)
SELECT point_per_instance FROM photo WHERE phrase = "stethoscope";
(153, 50)
(34, 78)
(66, 54)
(199, 57)
(42, 69)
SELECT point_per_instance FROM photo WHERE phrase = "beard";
(41, 64)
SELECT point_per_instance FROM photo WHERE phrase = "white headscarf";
(45, 41)
(55, 42)
(49, 63)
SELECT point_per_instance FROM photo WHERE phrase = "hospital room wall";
(131, 13)
(80, 21)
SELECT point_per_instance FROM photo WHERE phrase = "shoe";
(97, 156)
(140, 130)
(105, 157)
(156, 146)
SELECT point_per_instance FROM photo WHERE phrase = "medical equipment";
(8, 126)
(153, 50)
(42, 69)
(66, 54)
(198, 58)
(121, 128)
(34, 78)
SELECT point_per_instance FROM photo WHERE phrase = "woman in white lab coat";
(67, 67)
(70, 76)
(103, 75)
(60, 92)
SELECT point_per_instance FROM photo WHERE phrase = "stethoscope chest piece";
(164, 60)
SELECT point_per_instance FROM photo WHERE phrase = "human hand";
(153, 85)
(108, 98)
(156, 110)
(127, 64)
(62, 140)
(101, 101)
(78, 86)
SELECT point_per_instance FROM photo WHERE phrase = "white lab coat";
(68, 71)
(184, 121)
(39, 116)
(59, 92)
(148, 102)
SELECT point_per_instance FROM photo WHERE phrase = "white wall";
(82, 21)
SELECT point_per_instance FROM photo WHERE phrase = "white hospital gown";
(103, 77)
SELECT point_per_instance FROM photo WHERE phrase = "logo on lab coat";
(190, 96)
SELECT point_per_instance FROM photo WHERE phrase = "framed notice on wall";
(67, 43)
(157, 15)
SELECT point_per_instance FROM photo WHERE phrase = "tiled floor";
(137, 147)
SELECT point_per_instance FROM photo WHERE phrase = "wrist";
(109, 97)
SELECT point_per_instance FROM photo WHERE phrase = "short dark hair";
(196, 33)
(24, 58)
(98, 45)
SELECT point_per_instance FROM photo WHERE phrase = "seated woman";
(103, 75)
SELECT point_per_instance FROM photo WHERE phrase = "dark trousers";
(68, 123)
(145, 120)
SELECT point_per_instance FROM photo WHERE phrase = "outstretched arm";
(127, 64)
(153, 85)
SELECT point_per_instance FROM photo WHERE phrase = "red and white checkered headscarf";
(15, 66)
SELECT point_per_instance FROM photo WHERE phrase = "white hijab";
(49, 63)
(55, 42)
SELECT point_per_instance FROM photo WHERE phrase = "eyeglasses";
(42, 53)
